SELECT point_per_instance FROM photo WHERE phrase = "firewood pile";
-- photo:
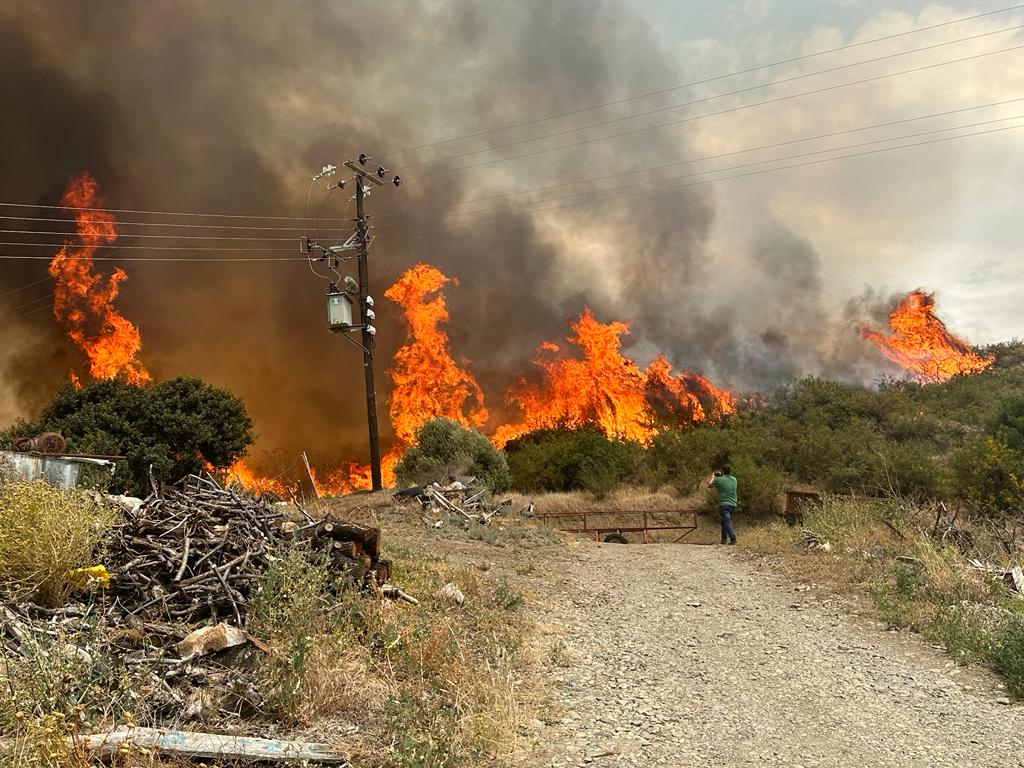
(195, 554)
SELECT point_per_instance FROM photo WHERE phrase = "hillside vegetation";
(959, 440)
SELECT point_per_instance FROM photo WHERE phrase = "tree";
(177, 426)
(444, 447)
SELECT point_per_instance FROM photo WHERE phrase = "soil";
(688, 655)
(682, 655)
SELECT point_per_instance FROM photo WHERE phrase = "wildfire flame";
(607, 390)
(83, 300)
(243, 475)
(427, 383)
(920, 342)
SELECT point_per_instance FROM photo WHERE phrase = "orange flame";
(920, 342)
(427, 382)
(607, 390)
(243, 475)
(83, 301)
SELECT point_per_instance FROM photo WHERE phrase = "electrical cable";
(164, 237)
(720, 155)
(738, 108)
(621, 188)
(727, 178)
(706, 80)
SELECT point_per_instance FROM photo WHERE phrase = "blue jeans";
(725, 512)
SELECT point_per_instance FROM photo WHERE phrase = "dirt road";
(689, 656)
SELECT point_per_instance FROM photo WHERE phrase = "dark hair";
(726, 469)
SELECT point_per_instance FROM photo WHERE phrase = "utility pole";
(339, 302)
(362, 258)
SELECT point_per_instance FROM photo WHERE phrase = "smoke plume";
(230, 107)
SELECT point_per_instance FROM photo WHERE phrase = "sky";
(941, 217)
(536, 173)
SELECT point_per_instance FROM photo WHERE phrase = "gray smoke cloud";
(228, 107)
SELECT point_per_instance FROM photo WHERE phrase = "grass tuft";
(45, 533)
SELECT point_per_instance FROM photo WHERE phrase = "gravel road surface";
(690, 656)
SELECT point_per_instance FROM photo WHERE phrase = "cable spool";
(22, 445)
(50, 442)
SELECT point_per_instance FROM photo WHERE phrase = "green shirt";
(726, 487)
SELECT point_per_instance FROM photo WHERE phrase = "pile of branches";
(459, 499)
(195, 554)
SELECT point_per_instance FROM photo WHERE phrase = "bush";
(990, 475)
(758, 487)
(46, 533)
(177, 426)
(444, 447)
(570, 460)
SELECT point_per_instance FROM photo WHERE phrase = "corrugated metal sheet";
(62, 473)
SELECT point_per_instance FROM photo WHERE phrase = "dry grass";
(45, 533)
(401, 686)
(882, 549)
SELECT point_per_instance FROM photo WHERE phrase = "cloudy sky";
(942, 217)
(537, 172)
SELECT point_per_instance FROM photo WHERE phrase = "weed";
(288, 610)
(45, 533)
(506, 598)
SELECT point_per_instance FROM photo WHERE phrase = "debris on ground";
(1012, 577)
(209, 746)
(171, 585)
(815, 541)
(460, 499)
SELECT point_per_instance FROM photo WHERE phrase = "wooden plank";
(212, 746)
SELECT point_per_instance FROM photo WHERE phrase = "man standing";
(725, 484)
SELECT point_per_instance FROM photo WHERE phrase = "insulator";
(381, 171)
(397, 181)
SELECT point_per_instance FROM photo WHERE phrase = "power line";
(688, 161)
(620, 188)
(120, 223)
(151, 247)
(739, 108)
(23, 287)
(197, 259)
(736, 92)
(157, 213)
(725, 178)
(164, 237)
(706, 80)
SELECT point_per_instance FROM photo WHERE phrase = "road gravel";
(677, 655)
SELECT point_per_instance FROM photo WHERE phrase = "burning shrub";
(570, 460)
(444, 447)
(46, 533)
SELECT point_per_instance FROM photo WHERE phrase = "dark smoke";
(229, 107)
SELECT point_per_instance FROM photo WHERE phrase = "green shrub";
(1008, 660)
(444, 447)
(758, 487)
(990, 475)
(177, 427)
(569, 460)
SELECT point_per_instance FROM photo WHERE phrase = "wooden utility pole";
(340, 297)
(362, 254)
